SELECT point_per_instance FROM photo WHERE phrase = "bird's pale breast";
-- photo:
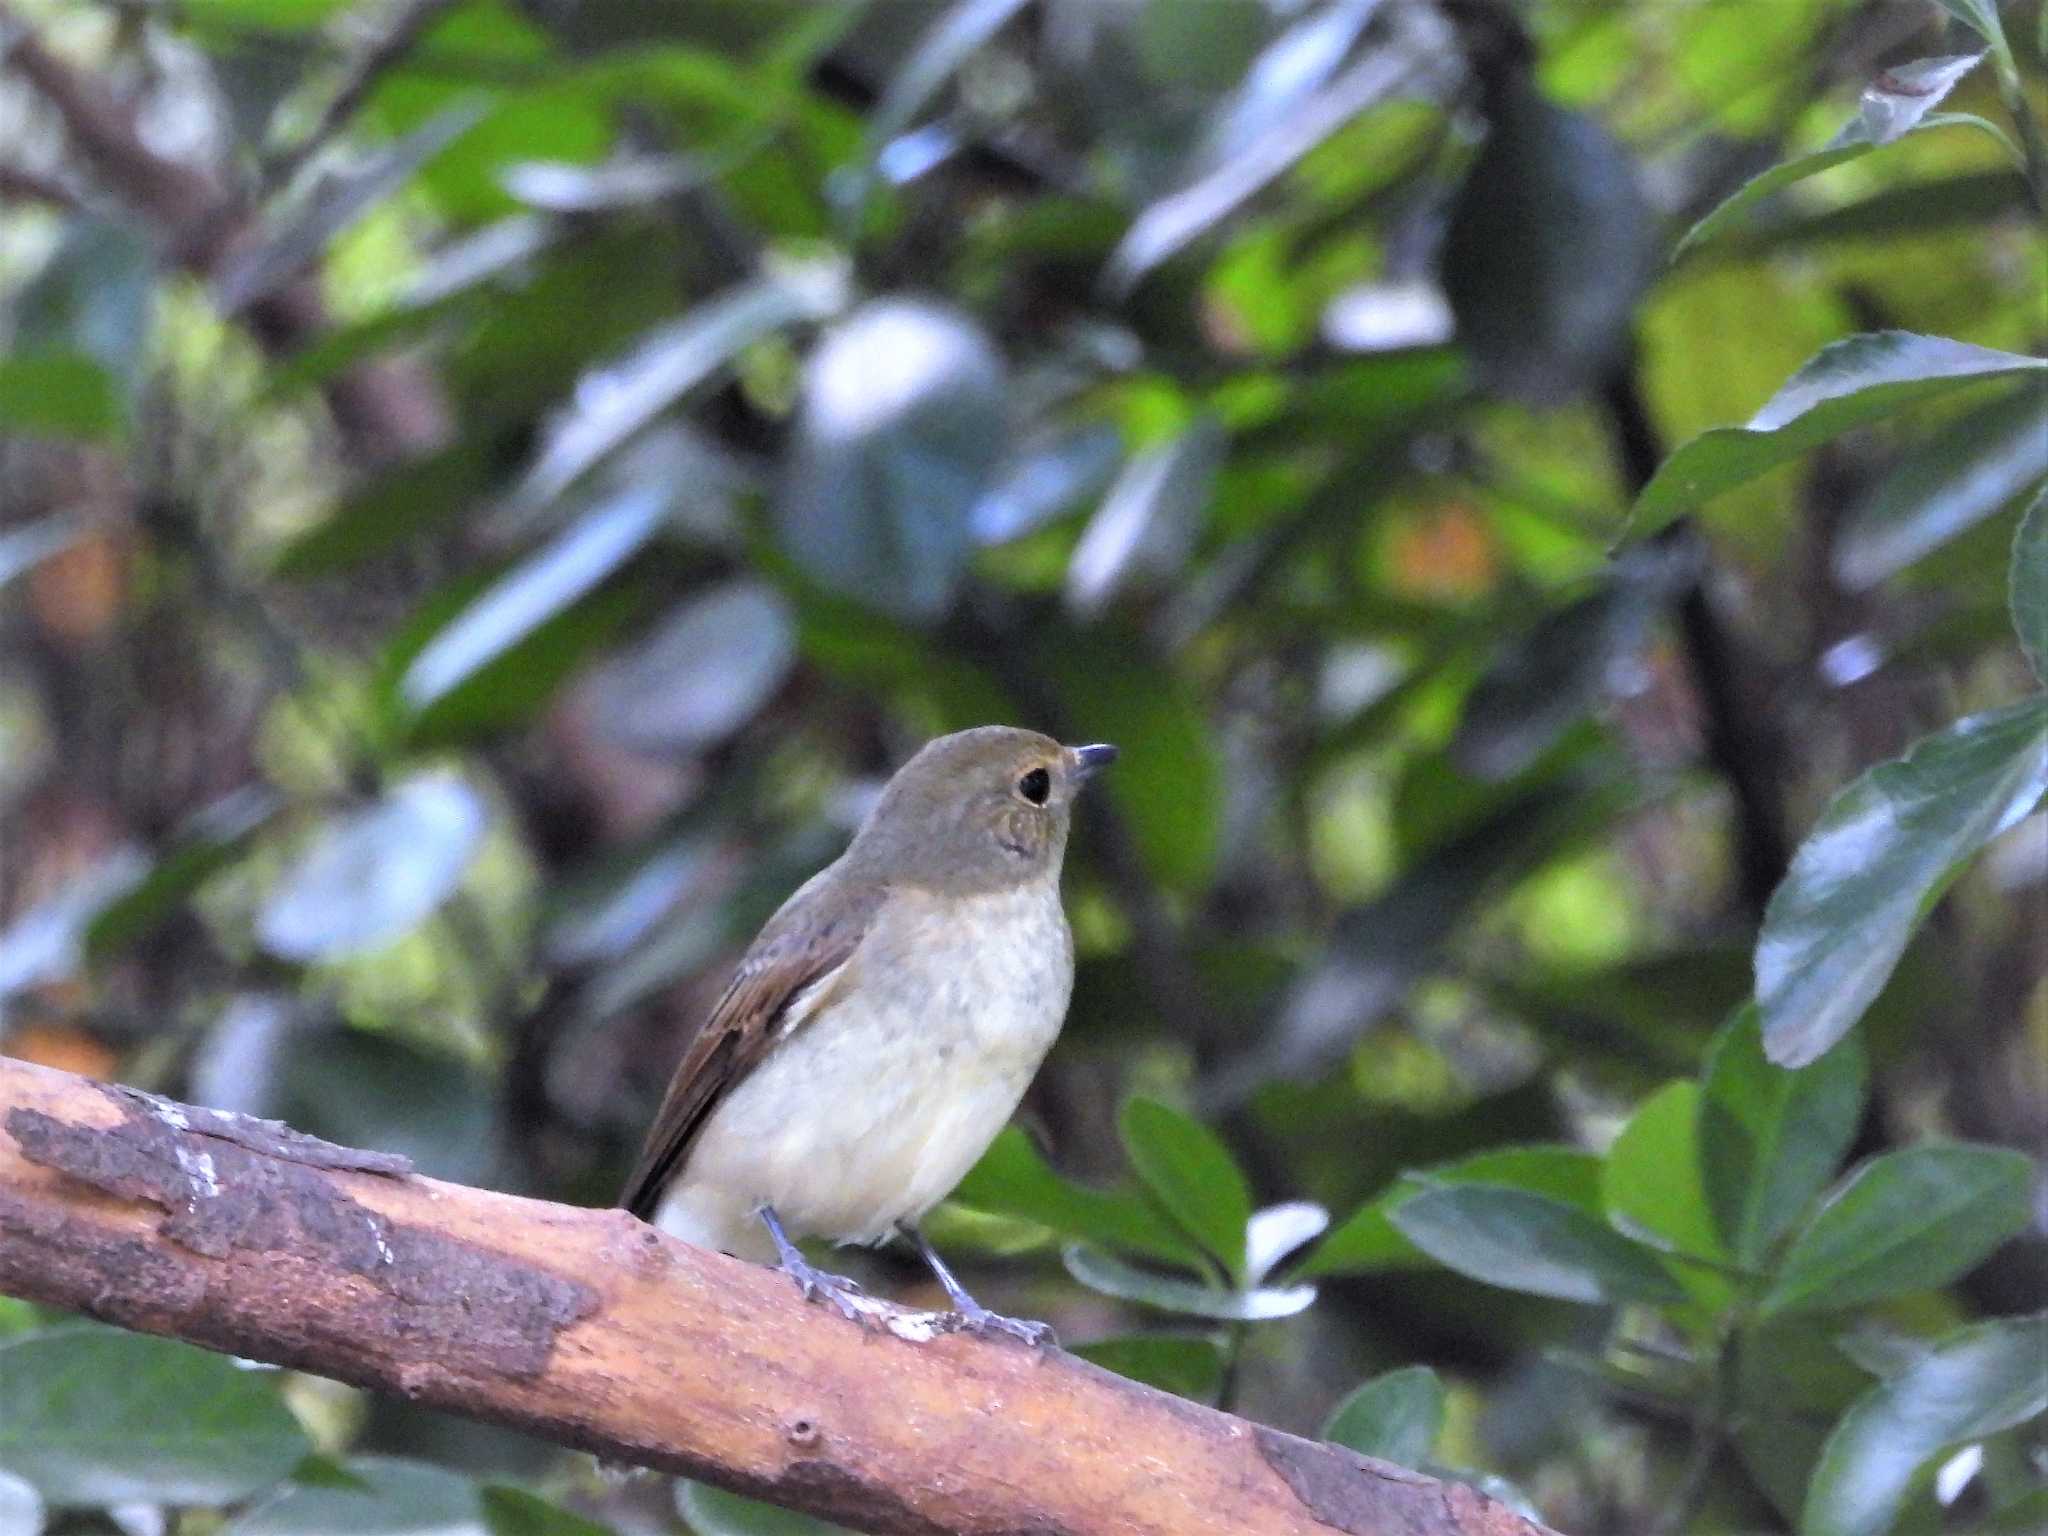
(875, 1106)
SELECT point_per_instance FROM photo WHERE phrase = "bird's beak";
(1091, 760)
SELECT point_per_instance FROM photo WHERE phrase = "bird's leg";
(815, 1284)
(969, 1315)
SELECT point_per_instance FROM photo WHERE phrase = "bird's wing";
(782, 979)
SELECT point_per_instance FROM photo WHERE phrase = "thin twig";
(370, 65)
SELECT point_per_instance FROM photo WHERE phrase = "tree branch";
(592, 1330)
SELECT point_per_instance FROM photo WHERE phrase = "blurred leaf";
(1099, 1271)
(60, 394)
(1192, 1174)
(1770, 1137)
(1576, 657)
(704, 672)
(515, 1512)
(393, 504)
(1523, 1241)
(2026, 1515)
(1876, 862)
(900, 428)
(1045, 476)
(1907, 1221)
(26, 546)
(964, 28)
(1368, 1240)
(1168, 783)
(21, 1507)
(47, 942)
(332, 204)
(398, 1498)
(210, 841)
(375, 873)
(1844, 385)
(1276, 1231)
(1013, 1180)
(1289, 69)
(1186, 1366)
(1944, 484)
(1549, 245)
(1894, 104)
(615, 402)
(1148, 519)
(1981, 16)
(453, 677)
(1380, 949)
(94, 1415)
(714, 1512)
(1975, 1382)
(2029, 584)
(350, 1086)
(561, 186)
(1651, 1183)
(1184, 215)
(1396, 1417)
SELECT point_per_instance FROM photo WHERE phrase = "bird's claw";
(816, 1285)
(978, 1320)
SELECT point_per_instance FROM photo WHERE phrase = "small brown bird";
(883, 1025)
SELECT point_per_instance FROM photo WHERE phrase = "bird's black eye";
(1035, 786)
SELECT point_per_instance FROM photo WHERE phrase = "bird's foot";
(970, 1316)
(836, 1291)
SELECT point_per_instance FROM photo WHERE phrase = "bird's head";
(978, 810)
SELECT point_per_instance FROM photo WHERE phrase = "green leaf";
(714, 1512)
(1907, 1221)
(1882, 853)
(1188, 1366)
(1013, 1180)
(701, 674)
(1975, 1382)
(899, 432)
(617, 401)
(953, 39)
(1895, 104)
(392, 505)
(2029, 583)
(21, 1507)
(1945, 484)
(297, 240)
(208, 843)
(391, 1498)
(539, 589)
(1396, 1417)
(60, 394)
(1193, 1175)
(1100, 1271)
(1546, 681)
(515, 1512)
(1528, 1242)
(1148, 519)
(1276, 1231)
(1651, 1182)
(1844, 385)
(92, 1415)
(1171, 223)
(1550, 244)
(1981, 16)
(1367, 1239)
(1771, 1136)
(377, 873)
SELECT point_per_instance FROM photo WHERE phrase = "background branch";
(590, 1329)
